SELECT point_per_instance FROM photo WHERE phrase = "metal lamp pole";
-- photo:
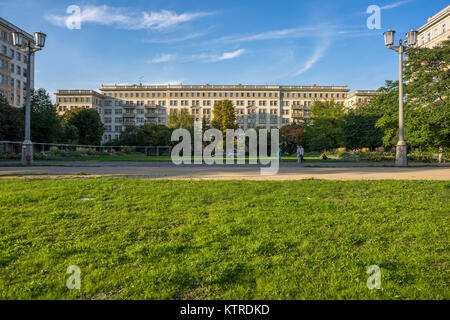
(401, 157)
(29, 49)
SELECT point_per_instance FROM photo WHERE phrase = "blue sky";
(282, 42)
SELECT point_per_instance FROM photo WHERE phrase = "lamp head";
(39, 38)
(389, 37)
(411, 37)
(17, 39)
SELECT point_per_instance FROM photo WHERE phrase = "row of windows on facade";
(14, 54)
(95, 100)
(226, 95)
(18, 83)
(435, 34)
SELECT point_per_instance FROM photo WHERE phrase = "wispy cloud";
(124, 18)
(162, 58)
(318, 53)
(205, 57)
(395, 4)
(229, 55)
(177, 39)
(299, 32)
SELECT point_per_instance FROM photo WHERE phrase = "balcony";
(150, 106)
(298, 115)
(297, 107)
(129, 106)
(129, 115)
(151, 114)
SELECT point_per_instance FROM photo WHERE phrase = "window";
(444, 28)
(1, 78)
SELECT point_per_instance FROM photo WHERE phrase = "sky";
(284, 42)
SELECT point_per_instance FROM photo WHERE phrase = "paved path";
(288, 171)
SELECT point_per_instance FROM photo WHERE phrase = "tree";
(224, 116)
(428, 116)
(359, 130)
(146, 135)
(89, 125)
(325, 130)
(12, 122)
(291, 136)
(181, 120)
(45, 122)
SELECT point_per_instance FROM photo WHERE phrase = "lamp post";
(29, 48)
(401, 157)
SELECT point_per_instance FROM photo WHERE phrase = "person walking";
(300, 153)
(441, 154)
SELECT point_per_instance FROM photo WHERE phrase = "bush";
(365, 150)
(128, 150)
(83, 151)
(54, 149)
(379, 150)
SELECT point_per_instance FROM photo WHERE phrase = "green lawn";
(146, 239)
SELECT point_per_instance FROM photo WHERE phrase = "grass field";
(144, 239)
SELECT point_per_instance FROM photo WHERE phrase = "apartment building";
(360, 96)
(13, 65)
(255, 106)
(436, 30)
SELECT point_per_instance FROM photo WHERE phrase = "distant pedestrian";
(441, 154)
(279, 154)
(300, 154)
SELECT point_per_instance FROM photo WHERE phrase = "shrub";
(365, 150)
(54, 149)
(128, 150)
(380, 150)
(82, 150)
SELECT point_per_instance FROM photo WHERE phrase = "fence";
(16, 147)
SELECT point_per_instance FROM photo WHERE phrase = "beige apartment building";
(255, 106)
(359, 97)
(13, 65)
(436, 30)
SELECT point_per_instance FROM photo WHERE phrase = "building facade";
(13, 65)
(436, 30)
(360, 96)
(255, 106)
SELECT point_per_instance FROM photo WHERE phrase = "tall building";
(255, 106)
(13, 65)
(436, 30)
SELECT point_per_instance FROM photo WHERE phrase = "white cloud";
(319, 52)
(395, 5)
(205, 57)
(163, 58)
(230, 55)
(164, 19)
(179, 39)
(300, 32)
(126, 18)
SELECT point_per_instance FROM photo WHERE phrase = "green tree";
(359, 130)
(45, 122)
(11, 122)
(427, 120)
(181, 120)
(89, 125)
(325, 129)
(146, 135)
(224, 116)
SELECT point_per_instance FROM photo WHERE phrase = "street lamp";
(401, 158)
(29, 47)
